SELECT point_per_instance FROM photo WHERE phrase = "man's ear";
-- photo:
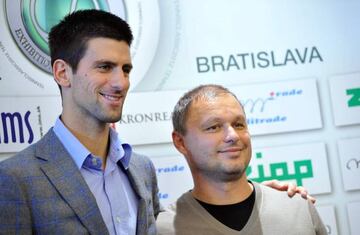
(178, 140)
(61, 73)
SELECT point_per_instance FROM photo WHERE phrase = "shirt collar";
(118, 151)
(124, 149)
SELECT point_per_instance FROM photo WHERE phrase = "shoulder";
(15, 172)
(270, 193)
(278, 211)
(141, 162)
(136, 157)
(187, 204)
(165, 220)
(20, 161)
(184, 198)
(26, 162)
(142, 168)
(272, 202)
(170, 212)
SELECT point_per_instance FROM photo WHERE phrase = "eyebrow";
(237, 117)
(109, 62)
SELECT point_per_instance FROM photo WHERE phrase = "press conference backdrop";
(295, 65)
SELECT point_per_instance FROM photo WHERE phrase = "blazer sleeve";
(14, 211)
(155, 192)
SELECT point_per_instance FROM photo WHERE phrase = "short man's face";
(101, 82)
(217, 140)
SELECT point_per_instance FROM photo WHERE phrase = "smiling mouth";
(230, 150)
(111, 97)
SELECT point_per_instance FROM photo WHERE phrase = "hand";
(291, 189)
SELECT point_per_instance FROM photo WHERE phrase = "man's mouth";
(230, 150)
(111, 97)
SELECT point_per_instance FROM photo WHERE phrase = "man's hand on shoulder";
(291, 189)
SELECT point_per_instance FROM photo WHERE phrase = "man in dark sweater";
(210, 130)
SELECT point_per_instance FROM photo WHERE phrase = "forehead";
(100, 46)
(223, 105)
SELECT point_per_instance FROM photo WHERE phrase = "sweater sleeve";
(319, 226)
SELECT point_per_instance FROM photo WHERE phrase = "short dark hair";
(68, 39)
(181, 109)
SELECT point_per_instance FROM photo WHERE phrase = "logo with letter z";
(355, 97)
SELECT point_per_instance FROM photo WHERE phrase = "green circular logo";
(31, 20)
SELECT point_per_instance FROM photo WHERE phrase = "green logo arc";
(41, 15)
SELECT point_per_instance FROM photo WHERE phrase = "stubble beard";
(106, 116)
(222, 173)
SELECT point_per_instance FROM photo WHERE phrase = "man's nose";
(231, 135)
(120, 80)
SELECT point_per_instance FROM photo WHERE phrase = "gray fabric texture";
(273, 213)
(43, 192)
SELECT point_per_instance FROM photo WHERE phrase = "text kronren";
(254, 60)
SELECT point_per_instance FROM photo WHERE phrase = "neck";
(94, 136)
(222, 193)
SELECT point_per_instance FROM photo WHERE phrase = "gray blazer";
(43, 192)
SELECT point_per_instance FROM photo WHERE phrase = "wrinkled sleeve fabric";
(14, 212)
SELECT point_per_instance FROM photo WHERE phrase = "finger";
(304, 194)
(276, 184)
(292, 189)
(312, 199)
(302, 191)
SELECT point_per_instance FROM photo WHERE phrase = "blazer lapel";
(137, 182)
(67, 179)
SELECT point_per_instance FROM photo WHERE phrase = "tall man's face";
(101, 82)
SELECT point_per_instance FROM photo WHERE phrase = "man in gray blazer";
(80, 178)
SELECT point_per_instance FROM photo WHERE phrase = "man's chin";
(227, 175)
(111, 119)
(230, 177)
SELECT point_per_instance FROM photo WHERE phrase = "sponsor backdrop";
(294, 65)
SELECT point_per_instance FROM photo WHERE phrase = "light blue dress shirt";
(111, 188)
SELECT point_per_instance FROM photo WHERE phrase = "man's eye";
(104, 67)
(239, 125)
(212, 128)
(127, 69)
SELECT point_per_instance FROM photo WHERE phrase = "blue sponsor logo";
(163, 195)
(170, 169)
(14, 126)
(259, 105)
